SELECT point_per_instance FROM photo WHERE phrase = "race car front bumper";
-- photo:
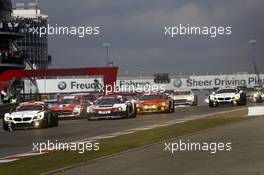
(226, 101)
(107, 115)
(68, 114)
(152, 109)
(182, 102)
(25, 124)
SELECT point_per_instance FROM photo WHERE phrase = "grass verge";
(59, 159)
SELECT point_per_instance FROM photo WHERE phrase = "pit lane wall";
(199, 82)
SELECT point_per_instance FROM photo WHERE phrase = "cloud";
(135, 28)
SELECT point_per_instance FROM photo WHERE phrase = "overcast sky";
(135, 29)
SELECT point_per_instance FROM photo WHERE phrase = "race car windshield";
(51, 103)
(151, 97)
(29, 108)
(70, 101)
(227, 91)
(107, 101)
(182, 93)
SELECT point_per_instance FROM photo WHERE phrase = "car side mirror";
(240, 91)
(213, 93)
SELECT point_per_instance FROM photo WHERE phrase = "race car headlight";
(163, 104)
(190, 98)
(77, 109)
(118, 109)
(90, 110)
(39, 116)
(237, 97)
(212, 98)
(8, 118)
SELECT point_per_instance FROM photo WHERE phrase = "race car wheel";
(127, 112)
(5, 126)
(135, 111)
(211, 104)
(45, 122)
(245, 101)
(55, 119)
(56, 122)
(195, 101)
(172, 107)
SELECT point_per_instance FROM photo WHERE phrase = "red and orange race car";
(155, 102)
(73, 106)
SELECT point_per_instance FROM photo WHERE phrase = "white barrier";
(255, 111)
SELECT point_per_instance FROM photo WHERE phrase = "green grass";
(59, 159)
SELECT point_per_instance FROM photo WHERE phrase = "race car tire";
(45, 122)
(195, 101)
(135, 112)
(56, 122)
(55, 119)
(89, 118)
(172, 107)
(5, 127)
(243, 101)
(127, 113)
(211, 104)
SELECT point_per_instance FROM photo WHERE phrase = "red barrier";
(109, 74)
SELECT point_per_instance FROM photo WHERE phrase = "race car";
(232, 96)
(71, 107)
(111, 107)
(30, 115)
(50, 103)
(88, 97)
(256, 95)
(184, 97)
(155, 102)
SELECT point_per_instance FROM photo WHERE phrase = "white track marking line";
(112, 135)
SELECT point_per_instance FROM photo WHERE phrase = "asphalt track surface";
(21, 141)
(246, 157)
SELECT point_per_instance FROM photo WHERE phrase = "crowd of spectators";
(21, 25)
(11, 57)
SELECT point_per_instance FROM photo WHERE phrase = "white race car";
(232, 96)
(30, 115)
(184, 97)
(111, 107)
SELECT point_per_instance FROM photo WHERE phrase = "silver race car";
(111, 107)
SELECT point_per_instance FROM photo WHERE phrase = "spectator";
(14, 57)
(19, 24)
(4, 95)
